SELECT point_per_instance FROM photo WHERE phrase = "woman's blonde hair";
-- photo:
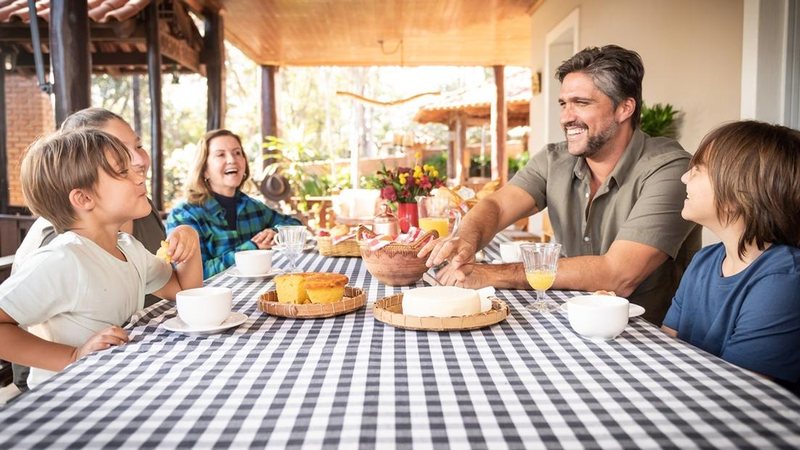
(55, 165)
(754, 169)
(198, 189)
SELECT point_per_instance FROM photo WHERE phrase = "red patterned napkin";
(343, 238)
(379, 241)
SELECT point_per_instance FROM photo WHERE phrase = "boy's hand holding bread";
(180, 245)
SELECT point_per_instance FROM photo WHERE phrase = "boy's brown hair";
(56, 164)
(199, 189)
(754, 169)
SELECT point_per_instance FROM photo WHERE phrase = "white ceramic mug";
(205, 306)
(598, 316)
(510, 251)
(253, 262)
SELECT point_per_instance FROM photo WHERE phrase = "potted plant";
(659, 120)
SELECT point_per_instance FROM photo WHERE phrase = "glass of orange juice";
(435, 214)
(541, 261)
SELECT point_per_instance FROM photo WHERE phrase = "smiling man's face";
(587, 115)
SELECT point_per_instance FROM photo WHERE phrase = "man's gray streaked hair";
(616, 71)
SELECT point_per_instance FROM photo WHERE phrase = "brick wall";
(29, 114)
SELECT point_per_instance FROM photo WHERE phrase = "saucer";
(633, 309)
(176, 324)
(234, 271)
(306, 247)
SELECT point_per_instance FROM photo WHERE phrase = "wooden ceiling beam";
(180, 51)
(104, 61)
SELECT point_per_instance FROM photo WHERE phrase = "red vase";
(407, 216)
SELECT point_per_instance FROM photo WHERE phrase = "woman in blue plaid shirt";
(226, 219)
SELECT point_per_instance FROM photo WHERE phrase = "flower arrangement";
(405, 184)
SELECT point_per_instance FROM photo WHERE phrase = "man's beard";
(595, 142)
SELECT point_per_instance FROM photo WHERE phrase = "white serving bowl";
(253, 262)
(205, 306)
(598, 316)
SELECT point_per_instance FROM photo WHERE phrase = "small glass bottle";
(386, 222)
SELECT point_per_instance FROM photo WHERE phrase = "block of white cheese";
(441, 301)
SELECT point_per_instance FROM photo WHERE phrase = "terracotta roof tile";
(100, 11)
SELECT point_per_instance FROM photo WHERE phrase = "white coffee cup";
(205, 306)
(598, 316)
(253, 262)
(510, 251)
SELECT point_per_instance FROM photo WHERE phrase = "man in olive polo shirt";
(613, 194)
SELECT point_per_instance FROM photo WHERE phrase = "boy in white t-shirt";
(91, 278)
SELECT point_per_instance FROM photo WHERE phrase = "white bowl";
(205, 306)
(253, 262)
(598, 316)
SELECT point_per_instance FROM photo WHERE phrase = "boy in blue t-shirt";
(79, 289)
(740, 299)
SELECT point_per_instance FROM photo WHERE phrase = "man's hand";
(454, 250)
(183, 243)
(111, 336)
(475, 276)
(470, 275)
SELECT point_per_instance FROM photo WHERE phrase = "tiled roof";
(475, 102)
(100, 11)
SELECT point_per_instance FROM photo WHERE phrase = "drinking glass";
(541, 261)
(434, 214)
(291, 240)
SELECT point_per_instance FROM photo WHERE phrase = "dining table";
(351, 381)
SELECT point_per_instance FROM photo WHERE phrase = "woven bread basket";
(344, 248)
(389, 310)
(354, 298)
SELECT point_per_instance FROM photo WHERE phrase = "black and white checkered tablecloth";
(350, 381)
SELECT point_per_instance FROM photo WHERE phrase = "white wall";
(692, 53)
(763, 61)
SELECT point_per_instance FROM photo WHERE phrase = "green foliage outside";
(314, 122)
(660, 120)
(481, 165)
(439, 161)
(287, 158)
(515, 164)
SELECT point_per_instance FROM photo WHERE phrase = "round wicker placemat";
(354, 298)
(389, 310)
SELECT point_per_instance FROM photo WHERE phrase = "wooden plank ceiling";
(350, 32)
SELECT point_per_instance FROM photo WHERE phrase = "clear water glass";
(291, 241)
(541, 263)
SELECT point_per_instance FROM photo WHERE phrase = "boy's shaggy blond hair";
(56, 164)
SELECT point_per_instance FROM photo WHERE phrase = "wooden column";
(70, 57)
(499, 120)
(214, 52)
(457, 171)
(154, 77)
(453, 156)
(462, 169)
(136, 93)
(269, 116)
(4, 195)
